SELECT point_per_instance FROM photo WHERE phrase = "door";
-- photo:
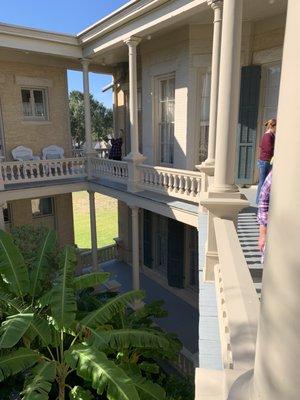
(247, 124)
(175, 264)
(161, 245)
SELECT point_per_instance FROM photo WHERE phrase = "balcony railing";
(114, 170)
(182, 184)
(17, 172)
(174, 182)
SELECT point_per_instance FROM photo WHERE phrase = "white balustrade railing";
(175, 182)
(115, 170)
(15, 172)
(107, 253)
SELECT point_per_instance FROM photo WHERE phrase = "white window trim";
(35, 118)
(157, 80)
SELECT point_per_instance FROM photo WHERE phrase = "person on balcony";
(266, 153)
(263, 211)
(115, 152)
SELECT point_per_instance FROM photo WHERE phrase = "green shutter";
(247, 125)
(148, 261)
(175, 254)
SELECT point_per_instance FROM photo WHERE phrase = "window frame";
(36, 216)
(45, 95)
(157, 120)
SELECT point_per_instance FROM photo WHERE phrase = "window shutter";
(175, 254)
(247, 125)
(148, 261)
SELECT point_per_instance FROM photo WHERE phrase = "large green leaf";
(93, 366)
(42, 330)
(12, 303)
(78, 393)
(120, 339)
(63, 301)
(147, 389)
(17, 361)
(12, 266)
(41, 264)
(90, 280)
(13, 329)
(40, 384)
(106, 312)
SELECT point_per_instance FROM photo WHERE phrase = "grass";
(106, 219)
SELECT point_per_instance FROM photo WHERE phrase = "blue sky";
(65, 16)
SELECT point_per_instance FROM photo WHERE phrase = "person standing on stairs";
(266, 153)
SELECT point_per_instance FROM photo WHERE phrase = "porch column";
(276, 369)
(134, 158)
(93, 228)
(2, 222)
(228, 98)
(87, 106)
(135, 248)
(217, 6)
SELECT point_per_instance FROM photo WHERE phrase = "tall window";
(271, 93)
(166, 111)
(34, 103)
(204, 121)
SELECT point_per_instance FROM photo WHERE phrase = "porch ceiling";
(106, 46)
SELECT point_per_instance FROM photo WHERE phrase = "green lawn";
(106, 219)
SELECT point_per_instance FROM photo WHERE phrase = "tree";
(102, 118)
(49, 337)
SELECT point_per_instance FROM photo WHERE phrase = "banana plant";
(44, 333)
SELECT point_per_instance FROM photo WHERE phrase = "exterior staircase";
(248, 233)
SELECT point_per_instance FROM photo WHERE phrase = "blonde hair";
(270, 123)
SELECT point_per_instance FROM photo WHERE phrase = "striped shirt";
(264, 201)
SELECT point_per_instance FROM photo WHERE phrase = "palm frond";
(44, 300)
(12, 303)
(120, 339)
(90, 280)
(40, 383)
(42, 330)
(106, 312)
(62, 300)
(17, 361)
(104, 376)
(13, 329)
(78, 393)
(41, 264)
(12, 266)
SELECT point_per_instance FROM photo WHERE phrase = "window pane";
(172, 89)
(171, 106)
(42, 207)
(163, 107)
(27, 110)
(39, 103)
(163, 90)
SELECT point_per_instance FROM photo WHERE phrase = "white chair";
(52, 152)
(22, 153)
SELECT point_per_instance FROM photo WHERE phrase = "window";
(34, 103)
(271, 92)
(204, 121)
(42, 207)
(7, 213)
(166, 111)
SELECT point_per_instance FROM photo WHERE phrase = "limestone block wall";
(61, 220)
(34, 134)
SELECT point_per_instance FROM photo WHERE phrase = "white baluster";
(193, 192)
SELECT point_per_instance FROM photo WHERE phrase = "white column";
(228, 98)
(277, 364)
(87, 106)
(132, 43)
(134, 158)
(217, 6)
(135, 248)
(93, 228)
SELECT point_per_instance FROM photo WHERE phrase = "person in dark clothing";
(115, 152)
(266, 153)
